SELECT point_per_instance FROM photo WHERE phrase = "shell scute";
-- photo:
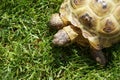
(88, 20)
(108, 27)
(101, 7)
(116, 1)
(77, 3)
(95, 19)
(117, 14)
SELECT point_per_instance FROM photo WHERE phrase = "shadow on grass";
(72, 53)
(111, 52)
(77, 60)
(81, 55)
(77, 54)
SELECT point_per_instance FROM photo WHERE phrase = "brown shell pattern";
(96, 16)
(99, 18)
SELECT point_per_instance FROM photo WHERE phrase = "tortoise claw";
(99, 57)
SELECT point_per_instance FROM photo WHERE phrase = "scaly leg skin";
(99, 56)
(56, 21)
(61, 38)
(65, 36)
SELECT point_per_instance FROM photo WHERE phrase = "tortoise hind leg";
(98, 55)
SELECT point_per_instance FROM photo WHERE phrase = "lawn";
(27, 53)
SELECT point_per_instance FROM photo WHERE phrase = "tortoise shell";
(98, 20)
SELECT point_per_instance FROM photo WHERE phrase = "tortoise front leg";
(96, 50)
(65, 36)
(98, 55)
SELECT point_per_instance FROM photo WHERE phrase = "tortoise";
(92, 23)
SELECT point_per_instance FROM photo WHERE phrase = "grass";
(26, 51)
